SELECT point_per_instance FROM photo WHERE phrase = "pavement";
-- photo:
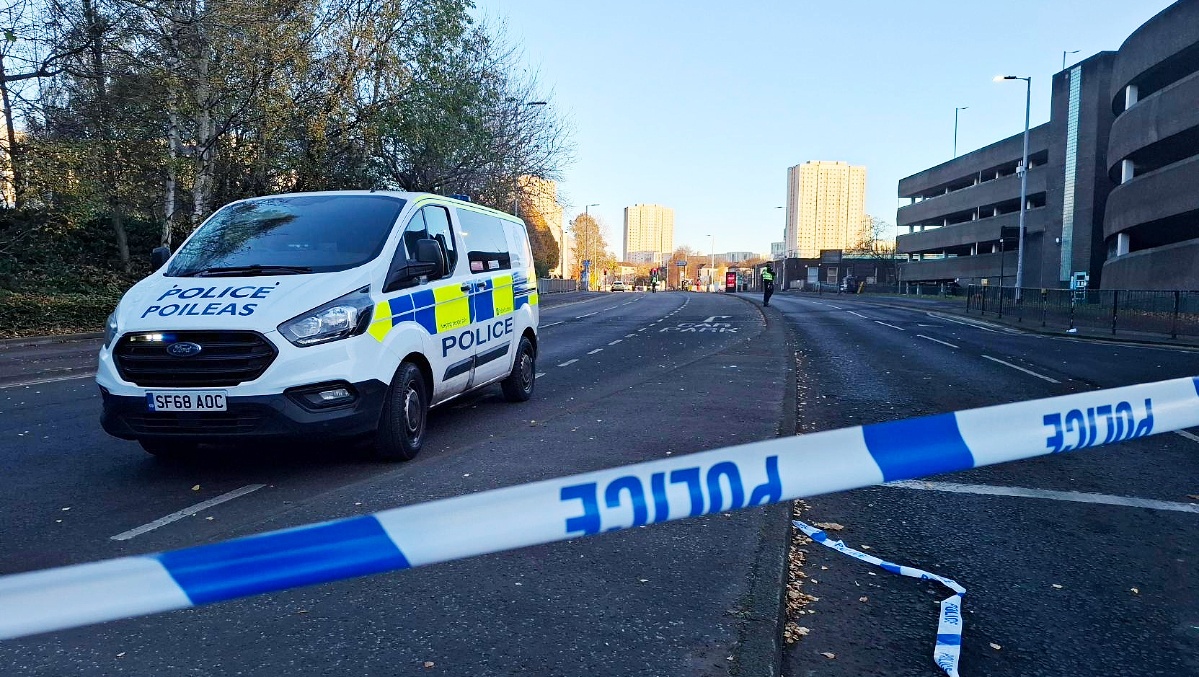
(1053, 587)
(618, 383)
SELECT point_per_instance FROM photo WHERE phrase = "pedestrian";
(767, 284)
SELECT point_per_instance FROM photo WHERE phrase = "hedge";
(24, 314)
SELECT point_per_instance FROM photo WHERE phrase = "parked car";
(618, 286)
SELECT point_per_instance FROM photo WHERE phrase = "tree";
(591, 245)
(877, 242)
(541, 238)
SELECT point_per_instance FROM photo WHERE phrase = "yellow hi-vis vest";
(767, 276)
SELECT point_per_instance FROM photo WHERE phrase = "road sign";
(681, 264)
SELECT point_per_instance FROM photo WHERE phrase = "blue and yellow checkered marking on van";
(448, 307)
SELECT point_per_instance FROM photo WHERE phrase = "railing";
(1127, 311)
(555, 285)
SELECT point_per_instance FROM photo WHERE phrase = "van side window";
(522, 258)
(486, 243)
(434, 223)
(438, 221)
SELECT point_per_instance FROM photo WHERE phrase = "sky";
(702, 106)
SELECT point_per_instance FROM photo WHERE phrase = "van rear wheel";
(405, 411)
(518, 387)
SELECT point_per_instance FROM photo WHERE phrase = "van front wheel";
(405, 410)
(518, 387)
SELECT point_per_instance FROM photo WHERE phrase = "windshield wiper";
(249, 271)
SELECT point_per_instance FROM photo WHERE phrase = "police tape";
(606, 500)
(948, 649)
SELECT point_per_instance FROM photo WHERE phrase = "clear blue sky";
(701, 106)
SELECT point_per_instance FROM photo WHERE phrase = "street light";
(1023, 182)
(516, 174)
(955, 128)
(1064, 53)
(711, 261)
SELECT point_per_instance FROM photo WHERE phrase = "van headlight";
(340, 318)
(110, 329)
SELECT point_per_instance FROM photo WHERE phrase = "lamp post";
(711, 260)
(1064, 53)
(516, 174)
(955, 128)
(1023, 181)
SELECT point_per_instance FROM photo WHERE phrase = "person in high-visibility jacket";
(767, 284)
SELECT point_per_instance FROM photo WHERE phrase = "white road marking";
(587, 315)
(552, 324)
(48, 379)
(539, 374)
(597, 350)
(643, 329)
(1190, 436)
(889, 325)
(568, 363)
(186, 512)
(1019, 368)
(832, 306)
(859, 315)
(612, 343)
(965, 324)
(630, 335)
(936, 340)
(1022, 492)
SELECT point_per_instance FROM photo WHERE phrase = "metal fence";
(1127, 311)
(554, 285)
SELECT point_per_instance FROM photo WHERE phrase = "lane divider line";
(858, 314)
(597, 350)
(539, 374)
(964, 324)
(947, 651)
(1019, 368)
(1190, 436)
(944, 343)
(1023, 492)
(551, 324)
(889, 325)
(49, 379)
(567, 508)
(186, 512)
(568, 362)
(612, 343)
(587, 315)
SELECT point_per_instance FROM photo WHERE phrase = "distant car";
(618, 286)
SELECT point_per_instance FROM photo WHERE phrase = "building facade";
(1151, 222)
(777, 249)
(648, 233)
(543, 193)
(826, 207)
(1112, 199)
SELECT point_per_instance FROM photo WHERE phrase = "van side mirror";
(159, 256)
(430, 262)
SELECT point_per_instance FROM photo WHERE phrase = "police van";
(336, 315)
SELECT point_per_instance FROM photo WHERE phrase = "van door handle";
(467, 286)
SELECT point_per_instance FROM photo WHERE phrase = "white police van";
(322, 315)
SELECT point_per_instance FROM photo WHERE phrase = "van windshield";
(289, 235)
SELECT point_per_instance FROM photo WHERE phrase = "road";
(618, 384)
(1053, 587)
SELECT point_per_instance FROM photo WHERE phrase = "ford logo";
(184, 349)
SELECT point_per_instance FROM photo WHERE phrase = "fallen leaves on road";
(796, 598)
(863, 599)
(1056, 586)
(995, 646)
(1135, 591)
(865, 547)
(1193, 497)
(429, 664)
(121, 655)
(829, 526)
(196, 488)
(828, 654)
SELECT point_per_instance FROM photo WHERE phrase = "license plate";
(186, 400)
